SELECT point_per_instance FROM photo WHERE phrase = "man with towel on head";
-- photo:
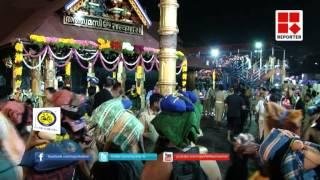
(178, 125)
(116, 130)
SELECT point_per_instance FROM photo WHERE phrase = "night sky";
(227, 22)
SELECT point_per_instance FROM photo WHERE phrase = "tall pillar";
(272, 64)
(260, 64)
(36, 80)
(68, 74)
(284, 66)
(168, 43)
(50, 73)
(121, 75)
(214, 80)
(140, 78)
(90, 72)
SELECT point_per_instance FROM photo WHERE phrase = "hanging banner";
(47, 120)
(94, 22)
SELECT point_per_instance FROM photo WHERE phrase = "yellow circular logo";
(46, 118)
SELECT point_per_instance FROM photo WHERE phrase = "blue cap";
(190, 99)
(192, 96)
(93, 80)
(127, 103)
(172, 103)
(189, 104)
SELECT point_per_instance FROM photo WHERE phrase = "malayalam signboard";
(94, 22)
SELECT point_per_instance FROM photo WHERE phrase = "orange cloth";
(14, 110)
(65, 97)
(62, 97)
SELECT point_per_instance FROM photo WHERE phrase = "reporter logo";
(289, 25)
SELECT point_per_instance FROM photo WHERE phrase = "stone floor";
(215, 139)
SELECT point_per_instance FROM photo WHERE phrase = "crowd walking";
(284, 147)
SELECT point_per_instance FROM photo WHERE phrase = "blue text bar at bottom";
(105, 157)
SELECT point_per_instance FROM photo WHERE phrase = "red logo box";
(289, 25)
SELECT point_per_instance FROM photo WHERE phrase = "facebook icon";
(39, 156)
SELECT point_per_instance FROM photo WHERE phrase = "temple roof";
(75, 5)
(19, 13)
(52, 27)
(22, 18)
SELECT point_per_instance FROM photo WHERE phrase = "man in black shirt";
(104, 94)
(234, 104)
(244, 112)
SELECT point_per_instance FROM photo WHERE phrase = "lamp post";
(283, 66)
(168, 44)
(215, 53)
(258, 46)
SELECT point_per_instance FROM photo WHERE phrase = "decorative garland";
(139, 77)
(101, 49)
(17, 68)
(98, 55)
(62, 42)
(102, 45)
(114, 75)
(184, 68)
(68, 69)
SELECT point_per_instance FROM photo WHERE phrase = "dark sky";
(212, 22)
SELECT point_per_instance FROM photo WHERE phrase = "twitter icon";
(103, 157)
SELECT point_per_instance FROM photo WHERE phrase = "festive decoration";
(138, 48)
(62, 42)
(17, 68)
(18, 57)
(184, 68)
(139, 72)
(18, 83)
(18, 71)
(138, 90)
(104, 44)
(67, 49)
(19, 47)
(68, 69)
(101, 44)
(127, 46)
(114, 74)
(151, 50)
(38, 39)
(180, 54)
(116, 45)
(94, 56)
